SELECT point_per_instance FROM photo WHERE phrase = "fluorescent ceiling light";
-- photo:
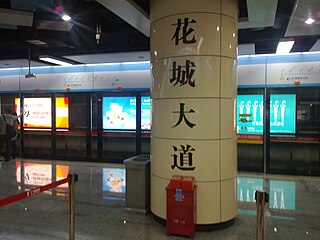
(54, 60)
(284, 47)
(310, 21)
(66, 17)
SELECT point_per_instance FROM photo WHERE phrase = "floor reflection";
(293, 211)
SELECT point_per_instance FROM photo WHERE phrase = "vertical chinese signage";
(193, 60)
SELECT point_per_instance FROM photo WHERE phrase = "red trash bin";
(181, 206)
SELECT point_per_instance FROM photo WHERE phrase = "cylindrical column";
(193, 61)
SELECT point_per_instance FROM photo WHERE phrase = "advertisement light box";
(145, 113)
(120, 113)
(282, 114)
(38, 112)
(250, 114)
(62, 112)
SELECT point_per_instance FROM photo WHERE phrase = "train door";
(72, 125)
(293, 131)
(250, 121)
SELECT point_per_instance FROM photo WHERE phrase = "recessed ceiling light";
(284, 47)
(54, 60)
(66, 17)
(36, 42)
(310, 21)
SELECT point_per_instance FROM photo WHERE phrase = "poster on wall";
(38, 113)
(250, 114)
(283, 113)
(62, 112)
(119, 113)
(145, 113)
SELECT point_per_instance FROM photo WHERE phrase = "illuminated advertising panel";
(62, 114)
(145, 113)
(119, 113)
(38, 113)
(283, 113)
(250, 114)
(114, 183)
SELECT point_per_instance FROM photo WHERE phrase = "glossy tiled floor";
(294, 211)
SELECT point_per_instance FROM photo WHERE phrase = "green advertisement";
(283, 113)
(250, 114)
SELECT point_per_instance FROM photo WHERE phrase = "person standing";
(2, 132)
(9, 119)
(14, 139)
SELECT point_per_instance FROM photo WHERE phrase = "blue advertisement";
(119, 113)
(145, 113)
(114, 183)
(250, 114)
(283, 113)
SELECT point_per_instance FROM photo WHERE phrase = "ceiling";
(33, 27)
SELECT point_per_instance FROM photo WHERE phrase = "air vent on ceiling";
(53, 25)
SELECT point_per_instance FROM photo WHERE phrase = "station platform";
(292, 213)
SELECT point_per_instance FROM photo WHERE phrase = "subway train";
(102, 112)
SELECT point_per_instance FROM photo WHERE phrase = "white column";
(193, 60)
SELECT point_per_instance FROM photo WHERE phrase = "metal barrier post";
(72, 183)
(261, 200)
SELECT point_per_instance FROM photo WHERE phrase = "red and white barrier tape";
(32, 192)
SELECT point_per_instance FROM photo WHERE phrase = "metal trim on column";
(21, 125)
(138, 123)
(53, 126)
(99, 127)
(88, 126)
